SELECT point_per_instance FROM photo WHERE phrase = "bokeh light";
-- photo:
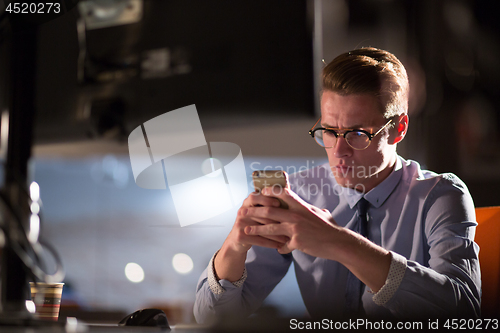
(134, 272)
(182, 263)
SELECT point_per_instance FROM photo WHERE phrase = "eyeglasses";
(357, 139)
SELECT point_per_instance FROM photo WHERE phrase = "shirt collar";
(380, 193)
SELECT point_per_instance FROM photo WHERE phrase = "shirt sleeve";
(448, 284)
(213, 280)
(264, 270)
(394, 278)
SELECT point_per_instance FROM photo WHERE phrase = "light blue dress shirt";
(426, 220)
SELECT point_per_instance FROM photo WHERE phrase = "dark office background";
(449, 47)
(97, 217)
(450, 50)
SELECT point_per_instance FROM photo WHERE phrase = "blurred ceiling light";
(35, 208)
(134, 272)
(182, 263)
(34, 191)
(34, 230)
(30, 306)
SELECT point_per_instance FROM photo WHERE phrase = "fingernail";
(248, 230)
(244, 211)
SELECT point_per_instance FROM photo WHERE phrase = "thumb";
(284, 249)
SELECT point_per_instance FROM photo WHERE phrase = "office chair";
(488, 238)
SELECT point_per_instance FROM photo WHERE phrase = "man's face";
(359, 169)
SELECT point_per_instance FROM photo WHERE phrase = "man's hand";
(230, 261)
(303, 226)
(240, 241)
(313, 231)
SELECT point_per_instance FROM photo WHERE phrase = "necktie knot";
(362, 205)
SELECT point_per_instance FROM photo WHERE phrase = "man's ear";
(400, 129)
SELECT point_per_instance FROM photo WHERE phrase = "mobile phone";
(276, 179)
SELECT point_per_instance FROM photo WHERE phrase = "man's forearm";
(368, 261)
(229, 265)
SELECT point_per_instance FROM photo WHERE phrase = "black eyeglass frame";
(346, 131)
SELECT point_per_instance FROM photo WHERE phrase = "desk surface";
(261, 326)
(72, 325)
(99, 328)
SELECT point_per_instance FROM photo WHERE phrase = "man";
(369, 233)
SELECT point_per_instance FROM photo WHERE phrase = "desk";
(100, 328)
(73, 326)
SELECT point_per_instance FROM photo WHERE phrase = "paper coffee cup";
(47, 299)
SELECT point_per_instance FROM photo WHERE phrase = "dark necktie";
(354, 287)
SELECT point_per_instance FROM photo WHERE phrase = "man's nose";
(342, 148)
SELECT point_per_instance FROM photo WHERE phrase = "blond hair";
(370, 71)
